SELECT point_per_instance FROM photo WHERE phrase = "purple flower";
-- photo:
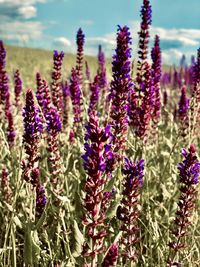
(10, 130)
(183, 104)
(156, 76)
(31, 137)
(189, 168)
(111, 256)
(128, 211)
(32, 122)
(95, 202)
(188, 177)
(94, 95)
(146, 14)
(80, 39)
(102, 69)
(121, 85)
(75, 93)
(2, 56)
(66, 96)
(57, 97)
(41, 199)
(18, 87)
(53, 121)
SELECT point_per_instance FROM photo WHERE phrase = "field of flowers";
(99, 158)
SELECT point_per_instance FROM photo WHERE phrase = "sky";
(53, 24)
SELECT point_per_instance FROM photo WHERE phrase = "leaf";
(17, 222)
(31, 246)
(78, 241)
(41, 220)
(109, 185)
(28, 246)
(111, 212)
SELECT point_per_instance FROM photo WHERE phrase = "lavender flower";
(146, 14)
(196, 74)
(11, 134)
(66, 96)
(95, 165)
(128, 211)
(156, 76)
(53, 129)
(31, 137)
(189, 170)
(2, 56)
(94, 95)
(75, 93)
(56, 91)
(141, 116)
(18, 87)
(41, 199)
(102, 69)
(120, 89)
(80, 39)
(111, 256)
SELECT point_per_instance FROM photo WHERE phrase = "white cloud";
(21, 31)
(27, 12)
(62, 41)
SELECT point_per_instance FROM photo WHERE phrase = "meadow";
(99, 157)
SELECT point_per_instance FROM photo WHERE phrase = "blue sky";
(52, 24)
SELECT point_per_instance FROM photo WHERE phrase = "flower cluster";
(57, 97)
(53, 129)
(18, 87)
(66, 96)
(189, 170)
(156, 76)
(111, 256)
(41, 199)
(75, 94)
(128, 212)
(146, 14)
(80, 39)
(95, 165)
(31, 137)
(121, 85)
(94, 94)
(102, 69)
(140, 116)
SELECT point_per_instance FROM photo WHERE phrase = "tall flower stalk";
(95, 165)
(54, 159)
(80, 39)
(188, 177)
(146, 14)
(75, 93)
(57, 97)
(121, 85)
(128, 212)
(18, 87)
(94, 94)
(31, 138)
(156, 76)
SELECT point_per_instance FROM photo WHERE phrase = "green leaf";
(111, 212)
(31, 246)
(78, 241)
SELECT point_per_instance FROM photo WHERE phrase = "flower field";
(99, 157)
